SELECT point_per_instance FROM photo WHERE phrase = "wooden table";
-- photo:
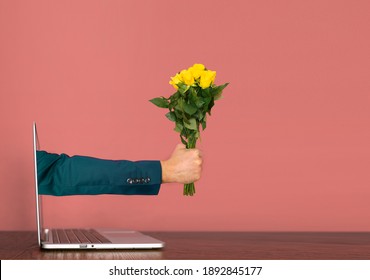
(209, 245)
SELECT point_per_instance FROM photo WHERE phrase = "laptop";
(99, 238)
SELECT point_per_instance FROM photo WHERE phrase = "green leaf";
(217, 90)
(185, 118)
(174, 97)
(204, 124)
(171, 116)
(161, 102)
(218, 96)
(193, 95)
(190, 109)
(182, 88)
(192, 124)
(178, 127)
(178, 114)
(199, 103)
(180, 104)
(207, 100)
(192, 92)
(200, 115)
(211, 104)
(206, 92)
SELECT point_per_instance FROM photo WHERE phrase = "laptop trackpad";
(127, 236)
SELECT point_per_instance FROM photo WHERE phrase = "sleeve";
(61, 175)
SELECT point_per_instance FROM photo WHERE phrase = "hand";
(184, 166)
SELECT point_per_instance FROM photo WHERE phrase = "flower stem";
(189, 189)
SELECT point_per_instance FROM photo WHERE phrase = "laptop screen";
(36, 146)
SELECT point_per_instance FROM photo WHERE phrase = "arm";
(64, 175)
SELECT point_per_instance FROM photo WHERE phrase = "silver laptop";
(86, 238)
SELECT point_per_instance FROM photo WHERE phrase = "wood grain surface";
(209, 245)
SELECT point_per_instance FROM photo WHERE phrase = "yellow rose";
(187, 77)
(175, 80)
(199, 66)
(196, 70)
(207, 78)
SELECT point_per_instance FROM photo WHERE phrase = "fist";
(184, 166)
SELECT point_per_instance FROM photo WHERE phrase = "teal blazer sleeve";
(80, 175)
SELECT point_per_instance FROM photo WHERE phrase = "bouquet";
(188, 106)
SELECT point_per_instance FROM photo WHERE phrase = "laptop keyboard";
(78, 236)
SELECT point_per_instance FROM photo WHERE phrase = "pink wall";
(286, 149)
